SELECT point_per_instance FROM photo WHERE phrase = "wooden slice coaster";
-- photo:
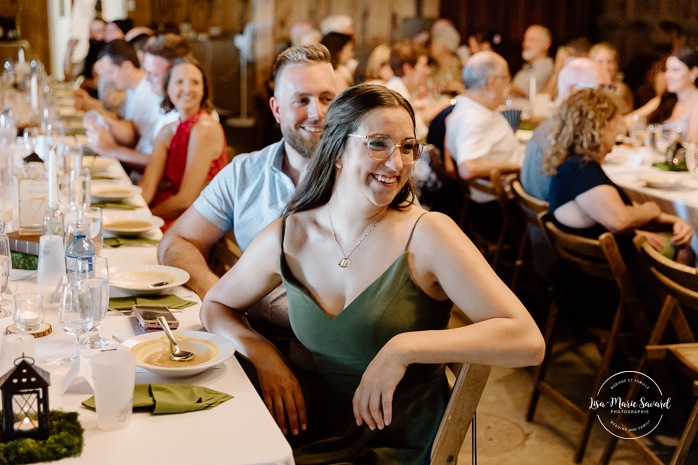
(44, 330)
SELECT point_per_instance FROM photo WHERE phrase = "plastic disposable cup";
(114, 375)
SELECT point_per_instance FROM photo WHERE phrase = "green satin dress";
(343, 346)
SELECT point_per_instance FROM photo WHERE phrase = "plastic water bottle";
(80, 246)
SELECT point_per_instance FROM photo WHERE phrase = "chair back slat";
(530, 206)
(581, 253)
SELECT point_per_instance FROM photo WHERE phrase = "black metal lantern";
(25, 401)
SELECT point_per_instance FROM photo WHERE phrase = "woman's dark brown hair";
(689, 57)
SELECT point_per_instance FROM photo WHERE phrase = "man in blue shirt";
(250, 193)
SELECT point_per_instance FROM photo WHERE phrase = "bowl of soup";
(152, 351)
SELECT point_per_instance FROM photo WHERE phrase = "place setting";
(133, 230)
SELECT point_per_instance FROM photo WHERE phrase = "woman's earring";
(338, 165)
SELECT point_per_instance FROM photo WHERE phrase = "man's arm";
(101, 141)
(480, 168)
(186, 245)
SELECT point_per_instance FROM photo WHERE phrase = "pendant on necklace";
(343, 263)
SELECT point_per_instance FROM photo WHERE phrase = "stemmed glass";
(75, 313)
(5, 268)
(94, 272)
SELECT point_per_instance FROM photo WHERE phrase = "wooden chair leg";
(543, 367)
(601, 376)
(689, 434)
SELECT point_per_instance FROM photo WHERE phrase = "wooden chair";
(496, 186)
(529, 208)
(601, 258)
(224, 254)
(470, 380)
(679, 284)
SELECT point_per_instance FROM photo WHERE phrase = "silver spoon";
(178, 355)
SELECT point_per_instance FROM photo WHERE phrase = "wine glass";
(75, 313)
(94, 272)
(5, 268)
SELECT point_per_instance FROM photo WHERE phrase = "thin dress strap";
(283, 233)
(409, 239)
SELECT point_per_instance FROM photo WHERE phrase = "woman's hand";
(282, 394)
(373, 399)
(682, 233)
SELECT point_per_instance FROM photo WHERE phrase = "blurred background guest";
(677, 108)
(341, 47)
(535, 48)
(85, 67)
(606, 56)
(378, 70)
(445, 74)
(188, 154)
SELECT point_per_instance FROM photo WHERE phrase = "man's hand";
(83, 101)
(99, 139)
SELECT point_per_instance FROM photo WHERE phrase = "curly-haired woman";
(583, 199)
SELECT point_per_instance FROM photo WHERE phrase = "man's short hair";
(403, 52)
(120, 51)
(480, 67)
(300, 54)
(168, 46)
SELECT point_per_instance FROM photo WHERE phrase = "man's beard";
(304, 147)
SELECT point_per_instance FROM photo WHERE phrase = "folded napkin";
(102, 178)
(132, 241)
(169, 300)
(115, 205)
(664, 166)
(172, 398)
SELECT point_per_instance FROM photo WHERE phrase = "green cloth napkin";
(102, 178)
(132, 241)
(115, 205)
(664, 166)
(168, 300)
(172, 398)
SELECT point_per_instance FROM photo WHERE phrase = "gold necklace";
(344, 257)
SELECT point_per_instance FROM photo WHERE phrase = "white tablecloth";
(239, 431)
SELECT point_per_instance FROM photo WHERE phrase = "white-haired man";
(578, 73)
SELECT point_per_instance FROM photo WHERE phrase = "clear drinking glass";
(79, 186)
(94, 271)
(5, 268)
(75, 313)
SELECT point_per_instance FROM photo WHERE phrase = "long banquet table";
(627, 168)
(239, 431)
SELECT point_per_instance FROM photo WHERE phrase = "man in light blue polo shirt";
(250, 193)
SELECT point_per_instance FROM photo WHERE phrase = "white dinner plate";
(114, 192)
(95, 164)
(138, 279)
(131, 226)
(661, 181)
(214, 347)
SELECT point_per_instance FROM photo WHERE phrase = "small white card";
(78, 380)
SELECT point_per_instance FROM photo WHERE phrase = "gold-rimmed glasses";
(381, 147)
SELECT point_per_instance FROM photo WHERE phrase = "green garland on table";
(65, 440)
(23, 261)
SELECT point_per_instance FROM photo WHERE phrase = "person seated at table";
(443, 43)
(583, 199)
(378, 70)
(85, 66)
(129, 139)
(577, 74)
(535, 48)
(371, 279)
(677, 108)
(187, 154)
(253, 189)
(341, 47)
(606, 56)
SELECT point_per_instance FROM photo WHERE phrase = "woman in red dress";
(186, 154)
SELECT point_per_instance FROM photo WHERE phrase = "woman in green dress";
(370, 279)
